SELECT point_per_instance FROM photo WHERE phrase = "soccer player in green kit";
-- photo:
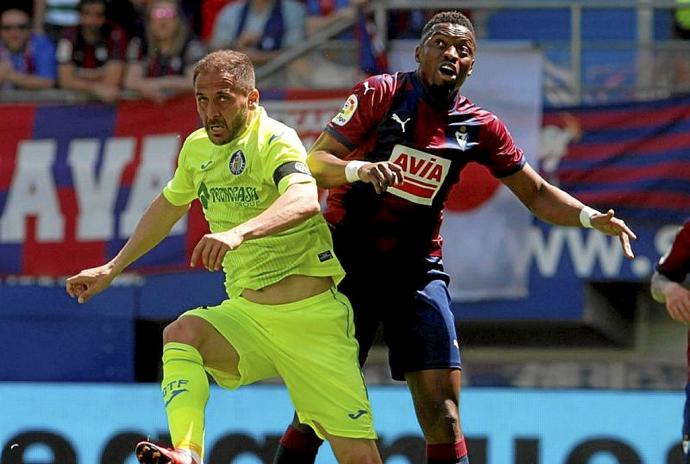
(284, 315)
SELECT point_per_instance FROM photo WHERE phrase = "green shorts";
(310, 344)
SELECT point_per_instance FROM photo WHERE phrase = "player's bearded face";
(446, 57)
(223, 109)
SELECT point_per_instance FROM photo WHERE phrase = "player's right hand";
(381, 175)
(89, 282)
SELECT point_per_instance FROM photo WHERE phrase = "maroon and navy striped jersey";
(394, 118)
(675, 265)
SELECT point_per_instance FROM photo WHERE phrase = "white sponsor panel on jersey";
(423, 174)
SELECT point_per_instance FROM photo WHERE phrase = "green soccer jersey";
(236, 182)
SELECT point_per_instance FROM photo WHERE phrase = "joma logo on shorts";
(357, 415)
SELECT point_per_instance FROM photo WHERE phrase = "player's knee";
(183, 330)
(360, 452)
(440, 420)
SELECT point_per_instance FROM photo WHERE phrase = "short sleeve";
(362, 110)
(288, 161)
(180, 189)
(675, 265)
(503, 157)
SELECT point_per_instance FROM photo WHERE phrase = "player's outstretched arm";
(553, 205)
(326, 163)
(299, 202)
(153, 226)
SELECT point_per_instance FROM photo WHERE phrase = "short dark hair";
(237, 64)
(452, 17)
(83, 3)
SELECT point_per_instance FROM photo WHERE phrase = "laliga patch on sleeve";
(325, 256)
(346, 112)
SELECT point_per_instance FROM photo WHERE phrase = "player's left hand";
(211, 249)
(381, 175)
(609, 224)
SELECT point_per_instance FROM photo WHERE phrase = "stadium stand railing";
(586, 59)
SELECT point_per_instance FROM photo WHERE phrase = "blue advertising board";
(99, 423)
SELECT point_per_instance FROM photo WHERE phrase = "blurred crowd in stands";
(110, 48)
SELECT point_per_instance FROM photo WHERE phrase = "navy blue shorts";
(418, 325)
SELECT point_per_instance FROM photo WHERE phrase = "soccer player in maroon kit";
(390, 157)
(673, 268)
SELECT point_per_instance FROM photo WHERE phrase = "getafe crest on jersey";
(423, 174)
(237, 162)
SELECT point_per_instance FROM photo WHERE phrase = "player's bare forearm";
(297, 204)
(154, 226)
(547, 202)
(327, 169)
(553, 205)
(156, 222)
(325, 160)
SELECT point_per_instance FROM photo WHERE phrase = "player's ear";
(253, 99)
(417, 52)
(469, 73)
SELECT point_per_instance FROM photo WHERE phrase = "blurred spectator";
(53, 16)
(322, 13)
(335, 64)
(160, 66)
(209, 13)
(27, 60)
(91, 55)
(129, 15)
(259, 28)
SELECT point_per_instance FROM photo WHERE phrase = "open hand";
(609, 224)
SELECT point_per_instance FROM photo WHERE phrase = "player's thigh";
(366, 313)
(422, 334)
(320, 368)
(235, 352)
